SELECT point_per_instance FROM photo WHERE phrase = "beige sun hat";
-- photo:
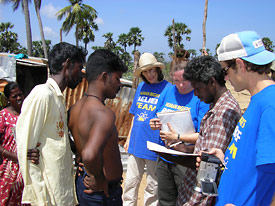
(147, 61)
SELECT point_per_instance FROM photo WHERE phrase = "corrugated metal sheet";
(120, 105)
(72, 95)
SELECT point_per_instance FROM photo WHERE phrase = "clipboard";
(184, 159)
(161, 149)
(181, 121)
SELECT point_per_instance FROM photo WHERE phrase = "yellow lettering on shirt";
(176, 107)
(242, 122)
(233, 150)
(139, 105)
(152, 94)
(151, 107)
(146, 106)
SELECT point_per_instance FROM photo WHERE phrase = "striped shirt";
(216, 129)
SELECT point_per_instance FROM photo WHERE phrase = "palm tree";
(109, 43)
(268, 44)
(37, 5)
(159, 56)
(203, 26)
(123, 40)
(180, 30)
(76, 14)
(135, 37)
(87, 33)
(192, 52)
(217, 46)
(8, 39)
(25, 7)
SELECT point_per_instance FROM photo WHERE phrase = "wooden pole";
(174, 39)
(60, 33)
(204, 29)
(136, 59)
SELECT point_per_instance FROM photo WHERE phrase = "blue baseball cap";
(246, 45)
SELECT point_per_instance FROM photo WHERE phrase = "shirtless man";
(93, 127)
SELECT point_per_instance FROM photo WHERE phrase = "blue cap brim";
(262, 58)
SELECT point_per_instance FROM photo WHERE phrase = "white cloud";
(99, 21)
(36, 38)
(50, 11)
(49, 32)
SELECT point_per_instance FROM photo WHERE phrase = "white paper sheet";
(158, 148)
(181, 121)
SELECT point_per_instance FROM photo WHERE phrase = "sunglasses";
(225, 70)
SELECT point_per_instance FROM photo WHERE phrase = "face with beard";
(114, 84)
(205, 92)
(75, 76)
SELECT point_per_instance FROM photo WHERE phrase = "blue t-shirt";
(172, 100)
(249, 176)
(143, 108)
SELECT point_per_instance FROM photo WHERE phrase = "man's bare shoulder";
(96, 109)
(75, 110)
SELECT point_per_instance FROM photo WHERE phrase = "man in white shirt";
(43, 119)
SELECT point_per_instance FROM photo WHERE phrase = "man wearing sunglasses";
(249, 175)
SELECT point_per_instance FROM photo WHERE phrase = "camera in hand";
(207, 175)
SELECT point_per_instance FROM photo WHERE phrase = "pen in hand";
(175, 144)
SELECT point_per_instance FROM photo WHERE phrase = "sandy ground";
(141, 189)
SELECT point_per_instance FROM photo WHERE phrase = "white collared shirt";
(43, 119)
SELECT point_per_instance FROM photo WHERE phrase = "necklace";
(91, 95)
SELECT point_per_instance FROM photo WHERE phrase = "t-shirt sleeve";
(133, 107)
(266, 138)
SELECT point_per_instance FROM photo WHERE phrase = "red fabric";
(11, 181)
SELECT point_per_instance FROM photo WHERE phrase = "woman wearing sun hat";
(144, 104)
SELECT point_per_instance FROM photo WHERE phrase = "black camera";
(208, 175)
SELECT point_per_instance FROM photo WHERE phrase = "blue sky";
(153, 17)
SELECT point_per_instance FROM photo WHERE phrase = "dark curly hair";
(202, 69)
(61, 52)
(103, 60)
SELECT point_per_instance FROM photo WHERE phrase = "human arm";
(173, 135)
(126, 144)
(8, 154)
(33, 154)
(7, 130)
(265, 164)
